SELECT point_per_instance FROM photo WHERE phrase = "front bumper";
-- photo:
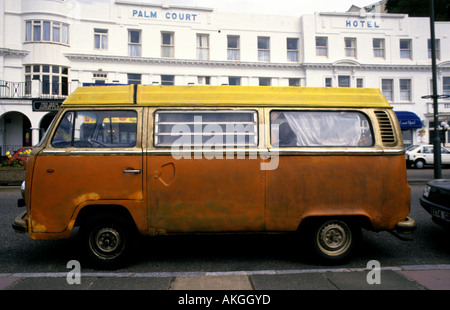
(436, 210)
(20, 223)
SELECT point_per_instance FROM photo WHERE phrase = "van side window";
(206, 128)
(96, 129)
(320, 129)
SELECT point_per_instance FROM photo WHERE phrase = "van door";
(204, 173)
(93, 157)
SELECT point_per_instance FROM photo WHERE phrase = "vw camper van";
(125, 160)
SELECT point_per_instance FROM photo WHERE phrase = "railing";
(35, 89)
(15, 90)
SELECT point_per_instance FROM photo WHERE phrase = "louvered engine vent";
(387, 133)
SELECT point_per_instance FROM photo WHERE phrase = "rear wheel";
(106, 241)
(334, 240)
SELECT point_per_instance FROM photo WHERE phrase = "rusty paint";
(219, 194)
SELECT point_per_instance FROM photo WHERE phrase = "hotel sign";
(165, 15)
(362, 24)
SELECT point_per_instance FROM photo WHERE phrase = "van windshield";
(96, 129)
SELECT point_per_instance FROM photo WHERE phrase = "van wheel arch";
(94, 210)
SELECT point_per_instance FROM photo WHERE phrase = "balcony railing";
(35, 89)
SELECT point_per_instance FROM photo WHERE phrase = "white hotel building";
(50, 47)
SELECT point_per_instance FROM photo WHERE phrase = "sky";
(273, 7)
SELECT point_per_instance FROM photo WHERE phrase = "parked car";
(436, 200)
(421, 155)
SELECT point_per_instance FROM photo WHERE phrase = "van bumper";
(20, 223)
(407, 226)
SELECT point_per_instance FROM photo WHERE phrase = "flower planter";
(12, 175)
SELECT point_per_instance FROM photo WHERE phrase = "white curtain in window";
(405, 53)
(134, 50)
(65, 34)
(233, 54)
(263, 55)
(202, 53)
(292, 56)
(28, 32)
(325, 129)
(46, 31)
(167, 51)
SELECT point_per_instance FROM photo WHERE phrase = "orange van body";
(162, 190)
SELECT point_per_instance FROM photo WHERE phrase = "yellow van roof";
(177, 96)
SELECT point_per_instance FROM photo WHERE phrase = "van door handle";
(135, 171)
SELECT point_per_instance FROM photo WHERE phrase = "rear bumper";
(407, 226)
(20, 223)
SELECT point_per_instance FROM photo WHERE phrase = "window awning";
(408, 120)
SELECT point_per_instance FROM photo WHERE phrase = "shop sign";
(46, 105)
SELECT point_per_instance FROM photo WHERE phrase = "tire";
(107, 241)
(334, 240)
(419, 164)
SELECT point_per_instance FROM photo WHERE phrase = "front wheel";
(334, 240)
(419, 164)
(106, 241)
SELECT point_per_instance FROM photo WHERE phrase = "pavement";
(420, 277)
(417, 277)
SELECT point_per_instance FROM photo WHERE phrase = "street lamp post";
(436, 140)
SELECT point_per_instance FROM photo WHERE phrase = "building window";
(100, 78)
(46, 31)
(203, 46)
(328, 82)
(134, 78)
(204, 80)
(167, 80)
(446, 85)
(54, 79)
(134, 43)
(378, 48)
(438, 48)
(100, 39)
(167, 45)
(344, 81)
(263, 49)
(292, 49)
(405, 89)
(294, 82)
(265, 81)
(406, 49)
(359, 82)
(234, 81)
(387, 88)
(350, 47)
(322, 46)
(233, 48)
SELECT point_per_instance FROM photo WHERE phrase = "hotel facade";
(48, 48)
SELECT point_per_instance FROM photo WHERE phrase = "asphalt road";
(430, 246)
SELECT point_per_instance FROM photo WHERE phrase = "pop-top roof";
(177, 96)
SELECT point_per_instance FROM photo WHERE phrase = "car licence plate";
(440, 214)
